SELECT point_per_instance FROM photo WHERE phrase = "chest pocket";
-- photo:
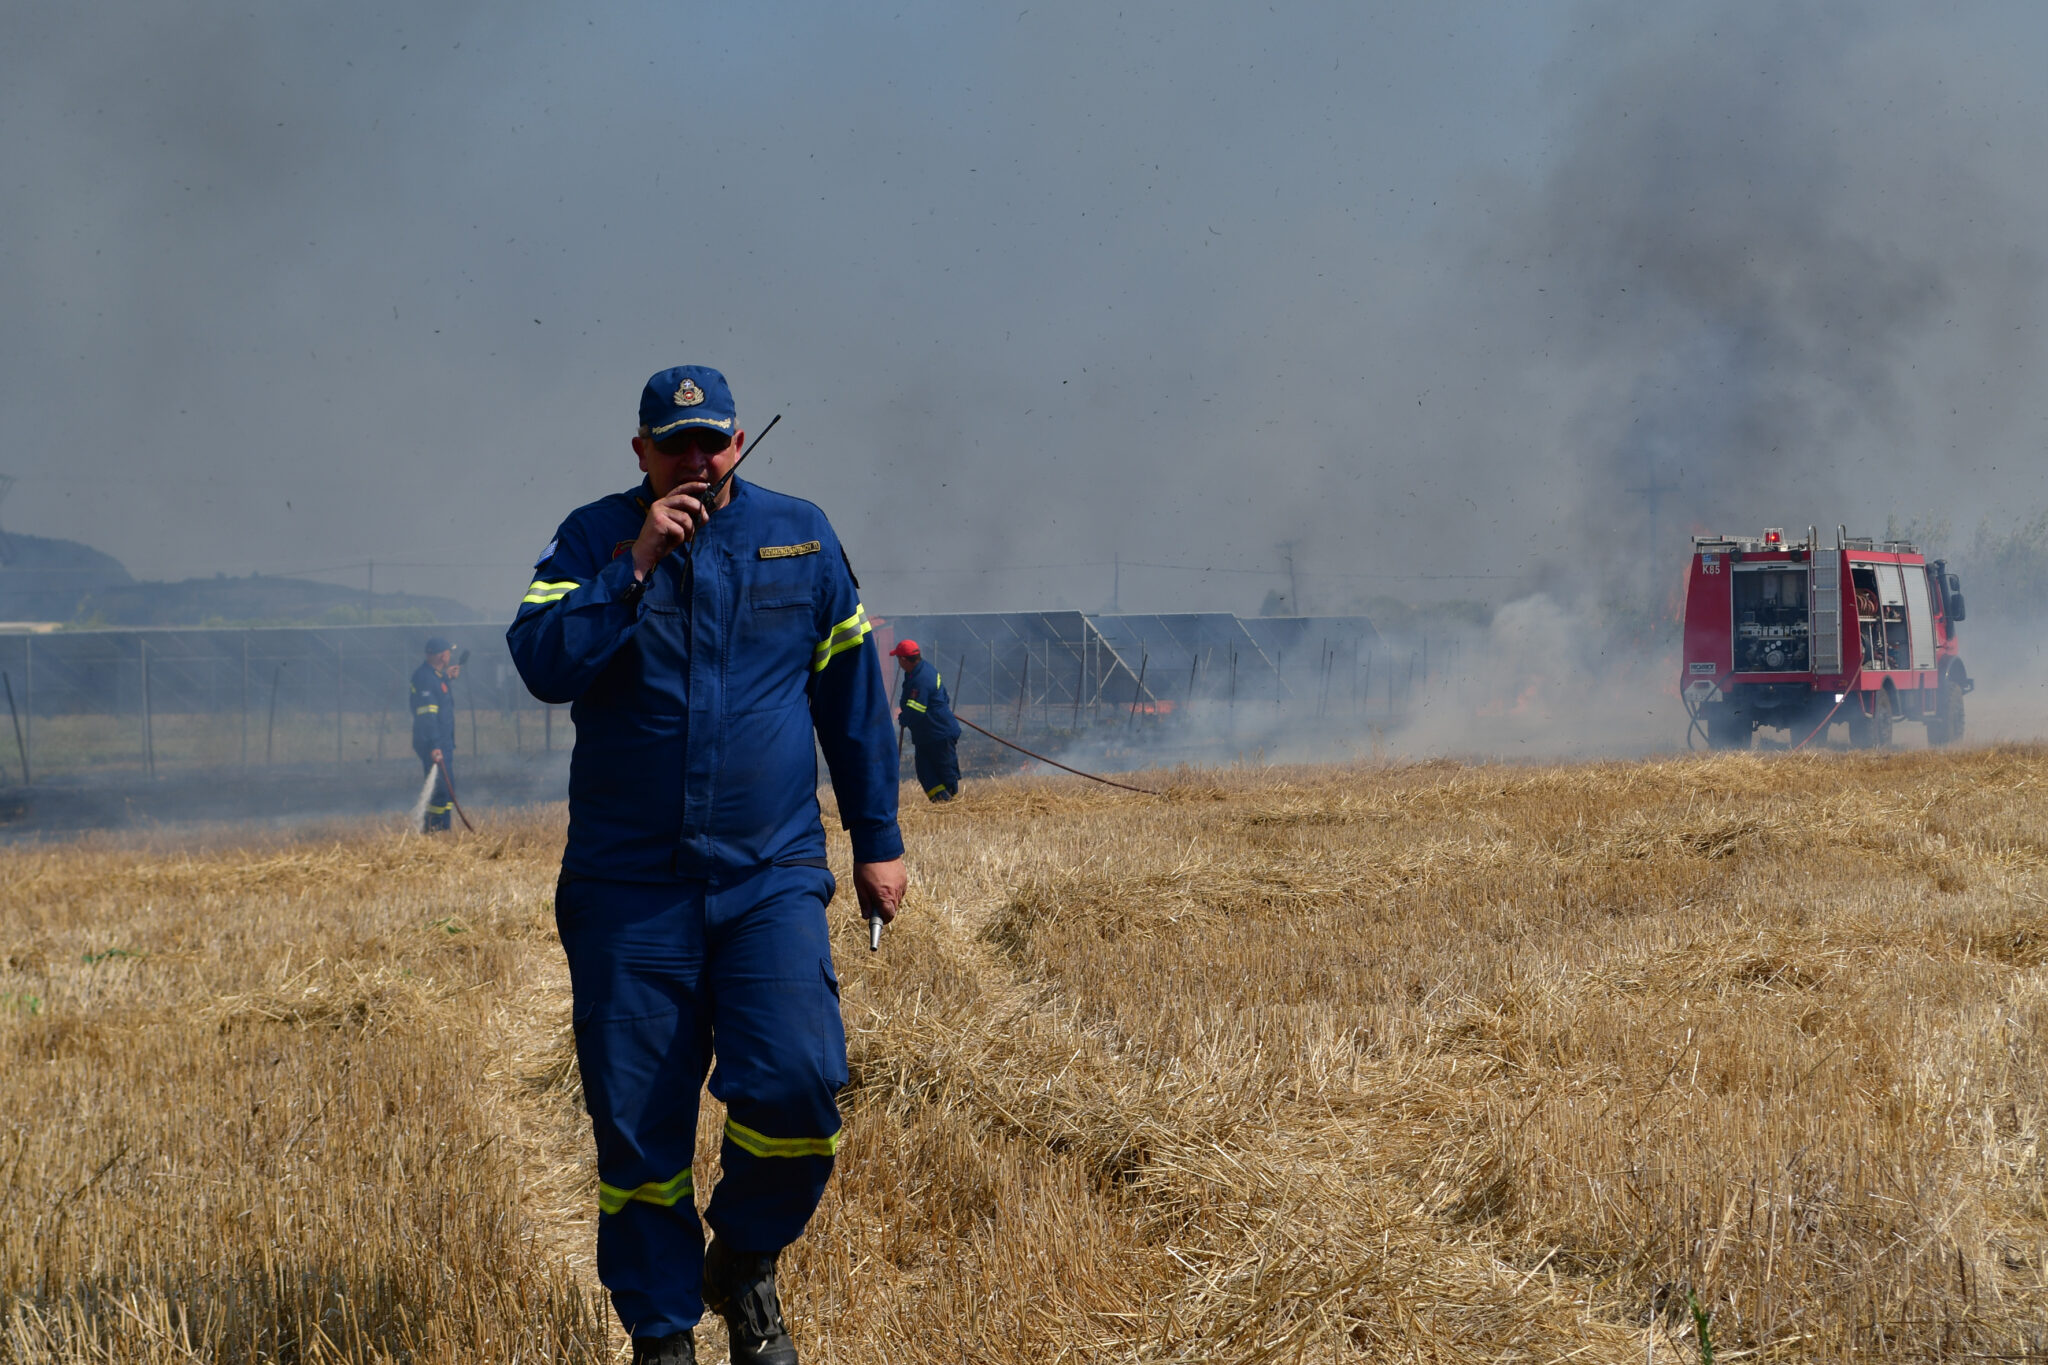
(664, 594)
(777, 633)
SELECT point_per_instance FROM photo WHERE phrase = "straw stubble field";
(1428, 1062)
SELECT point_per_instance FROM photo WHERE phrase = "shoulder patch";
(621, 547)
(547, 554)
(809, 547)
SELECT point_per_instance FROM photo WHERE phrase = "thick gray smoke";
(1785, 262)
(1455, 306)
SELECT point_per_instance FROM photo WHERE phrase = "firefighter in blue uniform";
(433, 728)
(700, 649)
(923, 708)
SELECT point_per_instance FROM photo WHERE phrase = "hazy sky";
(1429, 290)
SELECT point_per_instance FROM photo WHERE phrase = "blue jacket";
(923, 707)
(433, 713)
(695, 694)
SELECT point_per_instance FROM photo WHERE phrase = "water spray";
(419, 807)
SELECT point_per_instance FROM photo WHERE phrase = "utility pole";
(1293, 580)
(1650, 490)
(6, 550)
(1116, 584)
(370, 598)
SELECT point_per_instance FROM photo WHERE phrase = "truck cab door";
(1919, 618)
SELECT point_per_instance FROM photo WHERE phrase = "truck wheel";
(1945, 726)
(1872, 731)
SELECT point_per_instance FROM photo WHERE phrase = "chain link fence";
(140, 701)
(129, 703)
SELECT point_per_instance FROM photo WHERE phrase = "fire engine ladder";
(1824, 605)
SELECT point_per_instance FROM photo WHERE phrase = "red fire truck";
(1796, 635)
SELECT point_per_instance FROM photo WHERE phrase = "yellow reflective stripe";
(915, 705)
(538, 591)
(846, 635)
(610, 1198)
(760, 1144)
(425, 710)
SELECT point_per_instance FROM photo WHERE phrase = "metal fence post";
(383, 720)
(245, 699)
(340, 671)
(148, 733)
(1080, 683)
(270, 730)
(15, 715)
(1023, 686)
(28, 693)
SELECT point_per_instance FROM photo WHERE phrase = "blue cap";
(687, 396)
(435, 644)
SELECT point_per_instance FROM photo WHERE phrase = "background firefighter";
(433, 728)
(701, 649)
(924, 709)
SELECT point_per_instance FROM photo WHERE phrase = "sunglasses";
(693, 441)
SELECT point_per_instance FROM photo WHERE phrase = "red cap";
(903, 648)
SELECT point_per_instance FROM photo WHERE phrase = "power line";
(948, 570)
(955, 570)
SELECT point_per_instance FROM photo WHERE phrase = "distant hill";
(45, 580)
(257, 601)
(76, 585)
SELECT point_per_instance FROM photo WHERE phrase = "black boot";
(739, 1286)
(680, 1349)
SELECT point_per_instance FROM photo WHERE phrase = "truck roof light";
(1774, 536)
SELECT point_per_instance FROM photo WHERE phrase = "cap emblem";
(688, 395)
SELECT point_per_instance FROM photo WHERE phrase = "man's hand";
(671, 521)
(437, 755)
(879, 888)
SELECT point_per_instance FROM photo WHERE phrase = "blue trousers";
(667, 977)
(938, 766)
(440, 805)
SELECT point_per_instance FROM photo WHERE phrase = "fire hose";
(448, 780)
(1829, 719)
(1693, 723)
(1696, 725)
(1125, 786)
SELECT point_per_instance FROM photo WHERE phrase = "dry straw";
(1423, 1062)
